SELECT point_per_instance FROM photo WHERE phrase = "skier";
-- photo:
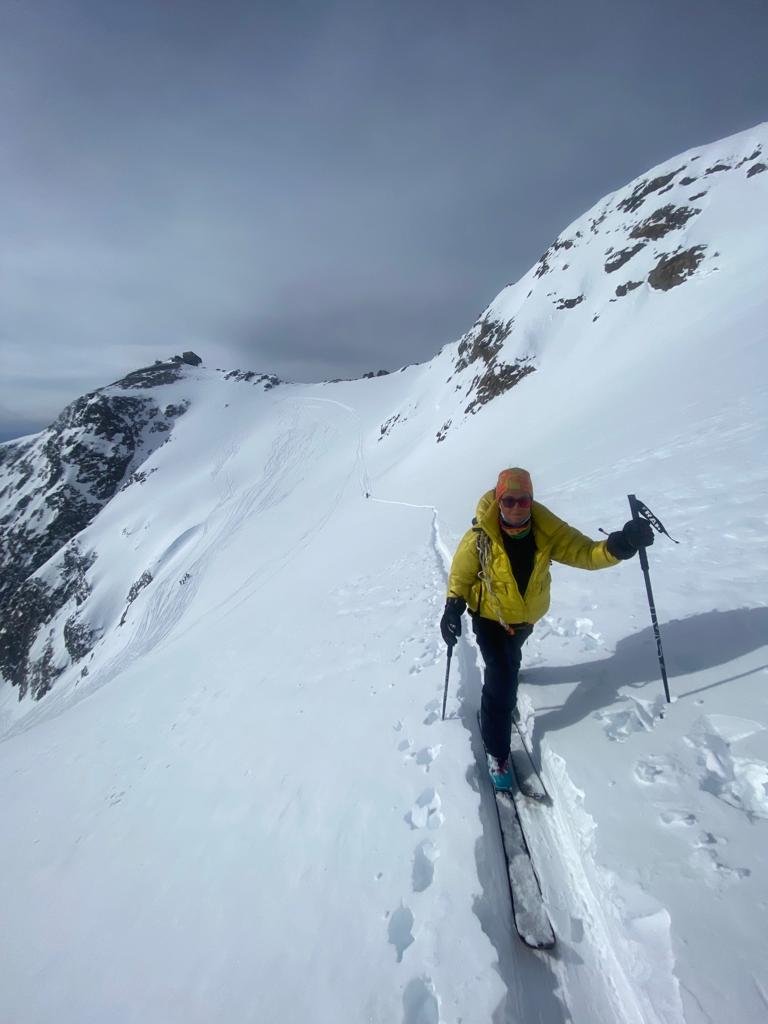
(500, 572)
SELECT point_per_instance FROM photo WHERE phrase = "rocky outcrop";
(644, 189)
(51, 487)
(267, 380)
(31, 608)
(662, 221)
(672, 270)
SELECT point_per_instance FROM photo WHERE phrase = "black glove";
(624, 543)
(450, 624)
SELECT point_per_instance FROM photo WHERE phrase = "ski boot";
(500, 772)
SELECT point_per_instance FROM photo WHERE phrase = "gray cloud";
(319, 189)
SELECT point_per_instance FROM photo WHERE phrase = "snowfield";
(249, 808)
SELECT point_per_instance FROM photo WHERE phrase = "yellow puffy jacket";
(555, 541)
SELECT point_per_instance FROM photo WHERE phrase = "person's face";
(515, 507)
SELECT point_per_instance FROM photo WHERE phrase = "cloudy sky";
(315, 188)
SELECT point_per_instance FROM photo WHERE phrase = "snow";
(250, 808)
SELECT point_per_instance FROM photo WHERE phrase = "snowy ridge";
(237, 769)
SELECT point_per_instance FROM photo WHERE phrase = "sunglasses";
(509, 502)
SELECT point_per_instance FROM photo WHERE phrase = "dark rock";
(644, 189)
(717, 168)
(79, 639)
(136, 588)
(752, 156)
(443, 431)
(152, 376)
(543, 265)
(662, 221)
(699, 195)
(621, 257)
(672, 270)
(483, 342)
(388, 425)
(191, 359)
(497, 380)
(172, 412)
(630, 286)
(569, 303)
(756, 169)
(688, 181)
(595, 223)
(267, 380)
(30, 607)
(33, 605)
(74, 566)
(68, 473)
(42, 673)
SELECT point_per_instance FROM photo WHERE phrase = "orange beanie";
(514, 479)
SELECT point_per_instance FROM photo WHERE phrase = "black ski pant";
(502, 654)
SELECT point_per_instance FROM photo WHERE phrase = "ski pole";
(447, 673)
(638, 508)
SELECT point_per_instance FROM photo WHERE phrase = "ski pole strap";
(639, 508)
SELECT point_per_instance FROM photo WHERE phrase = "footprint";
(433, 712)
(426, 756)
(657, 768)
(707, 839)
(684, 818)
(706, 859)
(400, 930)
(420, 1002)
(424, 865)
(638, 716)
(426, 813)
(741, 782)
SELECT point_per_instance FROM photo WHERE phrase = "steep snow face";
(240, 774)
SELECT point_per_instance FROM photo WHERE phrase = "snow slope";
(249, 809)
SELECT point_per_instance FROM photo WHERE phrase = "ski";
(528, 908)
(528, 778)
